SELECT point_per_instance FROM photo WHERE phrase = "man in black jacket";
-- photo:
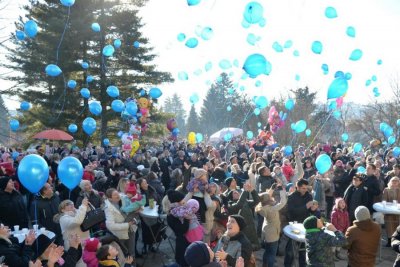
(300, 204)
(372, 185)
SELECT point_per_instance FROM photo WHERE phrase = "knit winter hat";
(197, 254)
(91, 244)
(3, 182)
(240, 221)
(310, 222)
(131, 189)
(228, 181)
(199, 172)
(362, 213)
(175, 196)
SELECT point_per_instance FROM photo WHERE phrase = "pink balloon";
(339, 101)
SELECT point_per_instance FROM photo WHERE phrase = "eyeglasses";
(356, 179)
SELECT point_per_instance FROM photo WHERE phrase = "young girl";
(287, 170)
(131, 201)
(89, 252)
(340, 219)
(196, 230)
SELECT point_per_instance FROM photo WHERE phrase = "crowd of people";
(222, 203)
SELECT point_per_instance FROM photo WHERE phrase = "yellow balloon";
(135, 147)
(192, 138)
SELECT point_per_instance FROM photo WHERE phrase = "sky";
(377, 24)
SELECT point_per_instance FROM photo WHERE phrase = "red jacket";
(90, 258)
(340, 219)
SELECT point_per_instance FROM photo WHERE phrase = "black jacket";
(373, 189)
(354, 197)
(13, 210)
(181, 244)
(93, 197)
(16, 255)
(396, 246)
(297, 210)
(71, 257)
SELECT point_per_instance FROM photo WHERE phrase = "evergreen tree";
(4, 127)
(174, 106)
(193, 123)
(129, 68)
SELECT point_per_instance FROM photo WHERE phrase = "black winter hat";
(3, 182)
(228, 181)
(175, 196)
(41, 244)
(197, 255)
(240, 221)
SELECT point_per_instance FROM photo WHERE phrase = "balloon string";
(320, 129)
(62, 35)
(63, 94)
(36, 222)
(69, 194)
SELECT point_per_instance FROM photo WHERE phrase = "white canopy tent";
(219, 136)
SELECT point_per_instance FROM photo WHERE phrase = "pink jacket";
(340, 219)
(90, 258)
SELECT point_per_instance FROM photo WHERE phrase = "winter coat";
(13, 210)
(272, 225)
(396, 246)
(319, 247)
(373, 189)
(391, 220)
(298, 170)
(89, 257)
(46, 208)
(236, 246)
(296, 206)
(128, 206)
(340, 219)
(70, 224)
(71, 258)
(263, 183)
(115, 221)
(15, 254)
(157, 185)
(245, 207)
(319, 194)
(354, 197)
(94, 198)
(342, 180)
(362, 241)
(179, 228)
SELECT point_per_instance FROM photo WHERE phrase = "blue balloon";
(330, 12)
(117, 105)
(225, 64)
(396, 151)
(85, 93)
(175, 132)
(207, 33)
(89, 79)
(85, 65)
(15, 155)
(300, 126)
(199, 138)
(228, 108)
(53, 70)
(316, 47)
(20, 35)
(120, 133)
(257, 111)
(72, 128)
(348, 76)
(117, 43)
(89, 125)
(357, 147)
(194, 98)
(391, 140)
(339, 74)
(112, 91)
(183, 76)
(356, 55)
(25, 106)
(181, 37)
(252, 39)
(361, 170)
(106, 142)
(31, 28)
(33, 172)
(336, 114)
(398, 122)
(14, 125)
(136, 44)
(257, 64)
(288, 44)
(287, 150)
(332, 105)
(95, 108)
(131, 108)
(323, 163)
(228, 137)
(253, 12)
(193, 2)
(67, 2)
(308, 132)
(261, 102)
(155, 92)
(208, 66)
(277, 47)
(345, 137)
(374, 78)
(388, 131)
(379, 62)
(96, 27)
(249, 134)
(383, 126)
(351, 31)
(108, 50)
(71, 84)
(289, 104)
(192, 42)
(325, 68)
(368, 82)
(296, 53)
(70, 172)
(337, 88)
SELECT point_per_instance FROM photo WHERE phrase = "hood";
(366, 225)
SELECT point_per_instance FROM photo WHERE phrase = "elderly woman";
(88, 192)
(269, 209)
(70, 221)
(392, 192)
(234, 243)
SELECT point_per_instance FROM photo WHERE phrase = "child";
(340, 219)
(198, 184)
(107, 256)
(196, 230)
(315, 209)
(287, 170)
(278, 175)
(89, 252)
(132, 201)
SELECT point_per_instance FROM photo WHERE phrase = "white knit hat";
(362, 213)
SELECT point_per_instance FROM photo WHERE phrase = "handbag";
(92, 218)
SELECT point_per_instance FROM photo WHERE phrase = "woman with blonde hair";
(122, 184)
(392, 192)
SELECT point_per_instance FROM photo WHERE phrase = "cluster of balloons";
(276, 120)
(195, 138)
(172, 126)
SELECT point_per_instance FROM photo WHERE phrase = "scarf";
(109, 263)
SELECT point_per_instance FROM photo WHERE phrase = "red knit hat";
(92, 244)
(131, 189)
